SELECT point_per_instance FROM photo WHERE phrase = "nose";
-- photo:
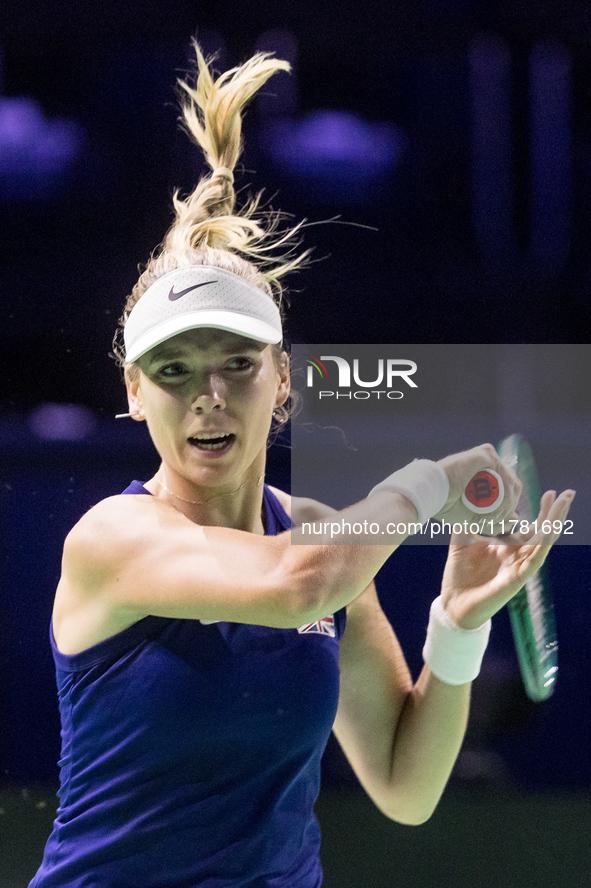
(210, 397)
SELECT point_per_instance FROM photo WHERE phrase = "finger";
(546, 503)
(550, 528)
(558, 512)
(533, 561)
(541, 530)
(565, 499)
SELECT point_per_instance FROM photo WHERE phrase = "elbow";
(408, 813)
(292, 601)
(302, 591)
(410, 818)
(308, 603)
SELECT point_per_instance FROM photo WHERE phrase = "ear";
(284, 386)
(134, 398)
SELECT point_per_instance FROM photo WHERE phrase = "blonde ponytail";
(212, 110)
(207, 229)
(212, 114)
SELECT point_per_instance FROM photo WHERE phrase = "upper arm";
(148, 559)
(375, 683)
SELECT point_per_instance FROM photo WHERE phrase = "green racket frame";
(531, 611)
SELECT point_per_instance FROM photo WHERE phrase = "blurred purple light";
(36, 154)
(62, 422)
(327, 143)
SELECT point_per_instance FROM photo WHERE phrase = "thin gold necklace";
(213, 496)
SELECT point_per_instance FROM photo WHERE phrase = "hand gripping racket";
(484, 492)
(531, 611)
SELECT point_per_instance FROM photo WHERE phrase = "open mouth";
(212, 442)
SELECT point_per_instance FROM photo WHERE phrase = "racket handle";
(484, 493)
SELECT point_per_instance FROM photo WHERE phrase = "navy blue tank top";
(191, 753)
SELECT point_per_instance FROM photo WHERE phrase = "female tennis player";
(197, 649)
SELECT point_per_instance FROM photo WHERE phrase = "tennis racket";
(531, 611)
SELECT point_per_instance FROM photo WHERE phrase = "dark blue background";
(69, 255)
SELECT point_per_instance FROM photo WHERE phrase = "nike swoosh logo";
(172, 295)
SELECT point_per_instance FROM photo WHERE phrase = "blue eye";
(172, 371)
(240, 364)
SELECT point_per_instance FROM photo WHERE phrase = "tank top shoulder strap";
(136, 487)
(277, 518)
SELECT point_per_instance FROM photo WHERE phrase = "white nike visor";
(200, 296)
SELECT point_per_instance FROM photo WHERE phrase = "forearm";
(329, 576)
(426, 744)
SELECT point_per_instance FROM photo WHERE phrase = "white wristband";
(423, 482)
(453, 654)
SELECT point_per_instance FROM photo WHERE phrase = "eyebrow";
(167, 353)
(182, 352)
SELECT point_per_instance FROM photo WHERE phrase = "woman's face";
(208, 397)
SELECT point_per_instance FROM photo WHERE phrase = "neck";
(237, 505)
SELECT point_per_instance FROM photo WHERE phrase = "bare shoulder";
(107, 531)
(94, 550)
(302, 508)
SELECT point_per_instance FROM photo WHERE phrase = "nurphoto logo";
(389, 372)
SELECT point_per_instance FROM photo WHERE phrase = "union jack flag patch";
(326, 626)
